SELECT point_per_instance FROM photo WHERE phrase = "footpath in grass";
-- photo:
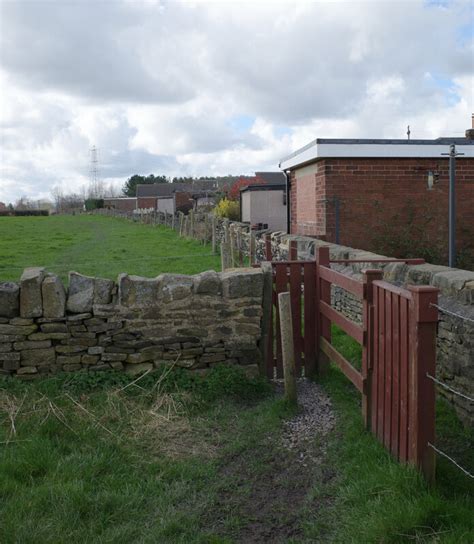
(97, 246)
(101, 457)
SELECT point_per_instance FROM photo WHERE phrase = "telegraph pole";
(452, 204)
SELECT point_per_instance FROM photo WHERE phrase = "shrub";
(94, 203)
(228, 208)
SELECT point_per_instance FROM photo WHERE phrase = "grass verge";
(376, 500)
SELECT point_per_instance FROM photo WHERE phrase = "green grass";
(376, 500)
(97, 246)
(84, 460)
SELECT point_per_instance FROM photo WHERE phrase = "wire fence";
(453, 461)
(451, 313)
(446, 386)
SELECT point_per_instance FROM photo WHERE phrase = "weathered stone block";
(107, 357)
(70, 349)
(95, 350)
(208, 283)
(72, 367)
(23, 330)
(53, 327)
(244, 282)
(31, 302)
(422, 274)
(12, 337)
(54, 297)
(77, 318)
(103, 291)
(21, 321)
(71, 360)
(89, 359)
(7, 346)
(9, 299)
(135, 291)
(81, 293)
(27, 370)
(452, 281)
(137, 358)
(9, 356)
(174, 287)
(48, 336)
(36, 357)
(32, 345)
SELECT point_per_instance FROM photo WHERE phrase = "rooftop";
(360, 147)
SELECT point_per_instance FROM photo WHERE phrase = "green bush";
(94, 204)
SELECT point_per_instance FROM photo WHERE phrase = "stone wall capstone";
(135, 324)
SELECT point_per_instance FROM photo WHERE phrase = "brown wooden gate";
(398, 339)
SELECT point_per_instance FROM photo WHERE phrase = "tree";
(234, 192)
(130, 187)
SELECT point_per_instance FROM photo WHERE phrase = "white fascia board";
(373, 151)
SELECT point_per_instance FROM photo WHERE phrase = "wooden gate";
(398, 339)
(299, 279)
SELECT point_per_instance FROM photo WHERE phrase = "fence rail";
(397, 335)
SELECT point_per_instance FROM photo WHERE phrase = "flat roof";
(264, 187)
(374, 148)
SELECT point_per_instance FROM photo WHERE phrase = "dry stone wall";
(455, 337)
(135, 324)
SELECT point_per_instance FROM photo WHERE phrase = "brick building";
(377, 193)
(122, 203)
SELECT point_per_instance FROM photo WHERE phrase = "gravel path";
(315, 419)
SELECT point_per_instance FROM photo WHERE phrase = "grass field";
(97, 246)
(94, 457)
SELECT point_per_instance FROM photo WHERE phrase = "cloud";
(215, 88)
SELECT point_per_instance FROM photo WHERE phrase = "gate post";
(368, 346)
(423, 321)
(323, 292)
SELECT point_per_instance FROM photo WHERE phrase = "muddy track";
(265, 490)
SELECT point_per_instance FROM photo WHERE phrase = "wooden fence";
(398, 339)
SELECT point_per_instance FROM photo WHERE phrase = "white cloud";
(157, 86)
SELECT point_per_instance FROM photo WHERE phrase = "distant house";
(124, 204)
(265, 204)
(174, 197)
(3, 206)
(356, 191)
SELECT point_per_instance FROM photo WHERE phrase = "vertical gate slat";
(375, 370)
(311, 338)
(403, 379)
(381, 378)
(395, 425)
(388, 369)
(280, 287)
(295, 297)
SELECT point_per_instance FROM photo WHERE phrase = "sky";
(216, 88)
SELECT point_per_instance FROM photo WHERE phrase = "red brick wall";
(182, 202)
(385, 199)
(146, 202)
(122, 204)
(307, 195)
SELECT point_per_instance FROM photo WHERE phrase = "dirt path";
(271, 483)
